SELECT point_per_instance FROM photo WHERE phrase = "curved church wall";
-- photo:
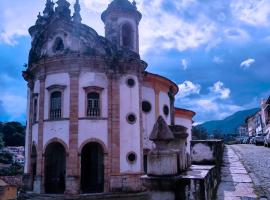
(164, 100)
(57, 79)
(186, 122)
(129, 133)
(149, 119)
(56, 129)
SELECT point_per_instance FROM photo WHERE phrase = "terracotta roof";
(181, 111)
(2, 183)
(12, 180)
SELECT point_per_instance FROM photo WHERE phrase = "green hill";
(229, 124)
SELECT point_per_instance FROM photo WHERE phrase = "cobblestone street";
(256, 160)
(236, 183)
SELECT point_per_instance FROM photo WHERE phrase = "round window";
(146, 106)
(131, 118)
(131, 157)
(166, 110)
(130, 82)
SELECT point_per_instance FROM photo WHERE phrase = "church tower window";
(127, 36)
(58, 45)
(55, 109)
(93, 104)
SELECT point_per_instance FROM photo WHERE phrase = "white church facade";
(91, 103)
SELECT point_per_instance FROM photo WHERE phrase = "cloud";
(217, 60)
(253, 12)
(188, 88)
(236, 34)
(219, 89)
(184, 64)
(215, 104)
(14, 106)
(247, 63)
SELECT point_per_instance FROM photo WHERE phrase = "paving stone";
(257, 160)
(235, 180)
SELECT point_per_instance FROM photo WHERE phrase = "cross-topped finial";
(62, 9)
(49, 9)
(77, 16)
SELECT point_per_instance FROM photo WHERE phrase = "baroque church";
(91, 103)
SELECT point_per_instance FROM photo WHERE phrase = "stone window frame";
(56, 88)
(165, 106)
(131, 113)
(88, 90)
(133, 30)
(136, 157)
(57, 39)
(35, 108)
(151, 107)
(130, 78)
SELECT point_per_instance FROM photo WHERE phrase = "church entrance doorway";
(92, 168)
(55, 168)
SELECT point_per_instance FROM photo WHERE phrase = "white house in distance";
(265, 112)
(91, 103)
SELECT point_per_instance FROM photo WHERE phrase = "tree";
(2, 143)
(6, 157)
(218, 134)
(199, 133)
(13, 133)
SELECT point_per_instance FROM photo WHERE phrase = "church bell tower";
(121, 20)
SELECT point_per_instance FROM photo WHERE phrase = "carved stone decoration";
(162, 161)
(161, 134)
(179, 145)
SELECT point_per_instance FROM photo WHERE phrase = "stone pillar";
(141, 124)
(113, 128)
(38, 183)
(161, 164)
(179, 145)
(172, 110)
(28, 176)
(157, 91)
(72, 176)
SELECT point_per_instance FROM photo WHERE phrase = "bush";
(5, 157)
(13, 170)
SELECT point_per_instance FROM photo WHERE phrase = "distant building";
(17, 153)
(243, 130)
(7, 191)
(258, 123)
(251, 126)
(265, 112)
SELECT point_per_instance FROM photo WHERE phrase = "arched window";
(93, 104)
(58, 45)
(55, 109)
(127, 36)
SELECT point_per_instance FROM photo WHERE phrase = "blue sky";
(217, 51)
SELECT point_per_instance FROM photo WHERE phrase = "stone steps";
(104, 196)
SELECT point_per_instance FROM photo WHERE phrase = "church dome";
(120, 6)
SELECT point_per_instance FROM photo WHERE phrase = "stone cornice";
(56, 87)
(80, 63)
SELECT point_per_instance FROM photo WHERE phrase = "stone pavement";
(236, 183)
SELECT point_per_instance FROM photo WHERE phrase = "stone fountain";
(166, 161)
(170, 175)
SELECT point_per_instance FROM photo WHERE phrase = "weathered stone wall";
(206, 152)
